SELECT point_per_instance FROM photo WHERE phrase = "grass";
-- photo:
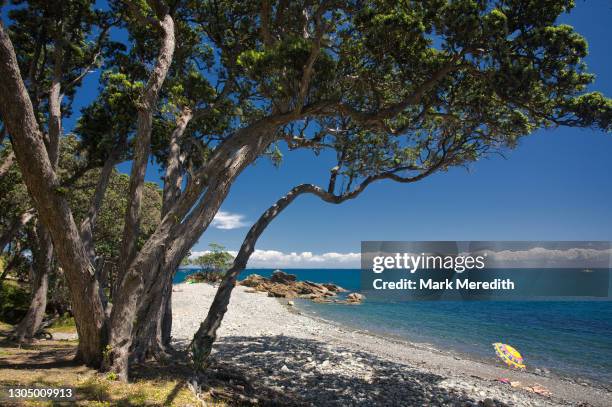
(50, 363)
(64, 324)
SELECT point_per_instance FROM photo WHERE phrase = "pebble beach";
(310, 361)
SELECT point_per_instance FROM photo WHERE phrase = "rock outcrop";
(354, 298)
(284, 285)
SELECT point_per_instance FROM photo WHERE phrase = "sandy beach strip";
(320, 363)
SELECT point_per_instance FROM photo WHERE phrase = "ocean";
(569, 338)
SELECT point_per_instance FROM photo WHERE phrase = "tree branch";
(93, 62)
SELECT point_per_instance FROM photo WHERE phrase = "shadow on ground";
(281, 370)
(51, 364)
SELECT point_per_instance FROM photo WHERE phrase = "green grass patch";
(64, 324)
(49, 363)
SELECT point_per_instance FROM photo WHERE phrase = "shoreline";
(401, 340)
(290, 350)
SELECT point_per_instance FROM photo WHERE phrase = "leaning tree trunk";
(204, 338)
(53, 209)
(28, 327)
(43, 255)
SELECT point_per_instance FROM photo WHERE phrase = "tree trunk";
(7, 163)
(154, 322)
(53, 209)
(203, 340)
(142, 146)
(167, 318)
(148, 338)
(43, 255)
(126, 298)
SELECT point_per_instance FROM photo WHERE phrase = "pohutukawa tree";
(57, 48)
(396, 90)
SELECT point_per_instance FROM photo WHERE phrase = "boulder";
(334, 288)
(281, 277)
(253, 281)
(284, 285)
(281, 291)
(354, 298)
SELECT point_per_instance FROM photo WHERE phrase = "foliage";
(109, 224)
(213, 264)
(216, 259)
(14, 301)
(14, 198)
(75, 29)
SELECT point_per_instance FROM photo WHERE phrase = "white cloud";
(543, 257)
(278, 259)
(227, 220)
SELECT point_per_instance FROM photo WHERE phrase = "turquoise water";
(572, 338)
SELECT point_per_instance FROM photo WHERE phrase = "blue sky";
(557, 185)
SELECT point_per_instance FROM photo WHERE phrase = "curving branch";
(202, 342)
(375, 119)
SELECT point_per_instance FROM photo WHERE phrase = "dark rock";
(334, 288)
(282, 278)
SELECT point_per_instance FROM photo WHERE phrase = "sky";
(556, 185)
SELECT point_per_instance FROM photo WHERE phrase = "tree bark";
(53, 209)
(172, 178)
(7, 163)
(154, 321)
(42, 256)
(167, 318)
(126, 299)
(142, 147)
(55, 102)
(148, 336)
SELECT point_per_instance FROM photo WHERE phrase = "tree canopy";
(396, 90)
